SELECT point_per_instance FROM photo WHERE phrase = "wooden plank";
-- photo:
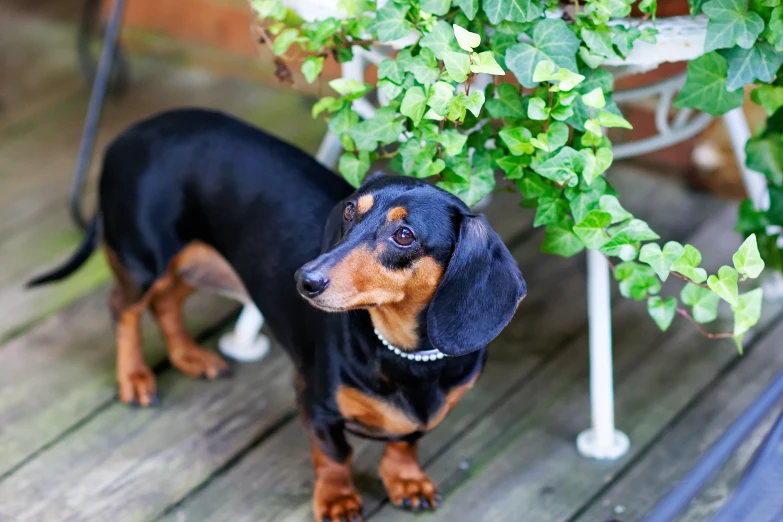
(695, 429)
(274, 481)
(62, 372)
(522, 458)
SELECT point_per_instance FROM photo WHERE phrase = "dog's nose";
(310, 282)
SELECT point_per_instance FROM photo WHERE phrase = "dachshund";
(384, 297)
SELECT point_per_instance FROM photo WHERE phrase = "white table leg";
(602, 441)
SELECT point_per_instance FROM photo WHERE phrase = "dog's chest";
(380, 417)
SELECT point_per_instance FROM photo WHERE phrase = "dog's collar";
(422, 355)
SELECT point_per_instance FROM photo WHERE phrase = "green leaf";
(563, 167)
(623, 38)
(391, 69)
(383, 127)
(436, 7)
(328, 104)
(760, 62)
(354, 169)
(636, 281)
(479, 184)
(537, 109)
(695, 6)
(557, 135)
(561, 240)
(765, 155)
(517, 140)
(747, 260)
(457, 65)
(591, 229)
(731, 24)
(612, 205)
(273, 9)
(413, 104)
(770, 97)
(469, 7)
(349, 87)
(511, 10)
(453, 141)
(514, 167)
(705, 86)
(284, 40)
(662, 311)
(551, 210)
(553, 41)
(390, 23)
(608, 119)
(440, 95)
(596, 163)
(688, 263)
(594, 98)
(424, 67)
(747, 311)
(704, 302)
(661, 260)
(312, 67)
(343, 121)
(439, 40)
(725, 284)
(567, 80)
(474, 102)
(508, 104)
(485, 63)
(465, 39)
(599, 40)
(775, 26)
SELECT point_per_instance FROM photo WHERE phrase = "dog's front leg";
(407, 485)
(335, 499)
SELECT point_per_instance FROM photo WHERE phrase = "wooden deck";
(233, 450)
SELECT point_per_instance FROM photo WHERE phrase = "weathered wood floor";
(233, 450)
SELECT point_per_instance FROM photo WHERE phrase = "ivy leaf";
(390, 23)
(354, 168)
(770, 97)
(537, 109)
(440, 95)
(413, 104)
(284, 40)
(439, 40)
(425, 67)
(514, 167)
(553, 41)
(731, 24)
(583, 202)
(312, 67)
(479, 184)
(517, 140)
(485, 63)
(328, 104)
(599, 40)
(747, 311)
(608, 119)
(662, 311)
(594, 98)
(273, 9)
(623, 38)
(591, 229)
(557, 135)
(383, 127)
(453, 141)
(765, 155)
(695, 6)
(474, 102)
(561, 240)
(610, 204)
(391, 69)
(457, 65)
(688, 265)
(469, 7)
(705, 86)
(725, 284)
(760, 62)
(563, 167)
(596, 163)
(636, 281)
(508, 103)
(349, 87)
(499, 43)
(436, 7)
(775, 26)
(511, 10)
(634, 231)
(704, 302)
(661, 260)
(747, 260)
(343, 121)
(551, 210)
(465, 39)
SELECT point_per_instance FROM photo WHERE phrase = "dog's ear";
(479, 292)
(333, 230)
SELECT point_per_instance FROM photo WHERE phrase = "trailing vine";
(544, 128)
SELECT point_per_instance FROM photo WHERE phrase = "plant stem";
(705, 333)
(689, 280)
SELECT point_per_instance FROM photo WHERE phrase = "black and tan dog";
(385, 298)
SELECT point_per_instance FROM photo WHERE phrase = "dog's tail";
(77, 259)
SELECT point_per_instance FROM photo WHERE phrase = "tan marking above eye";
(396, 214)
(365, 203)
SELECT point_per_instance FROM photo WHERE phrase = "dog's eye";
(404, 236)
(349, 211)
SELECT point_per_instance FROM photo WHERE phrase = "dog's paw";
(338, 505)
(197, 362)
(137, 387)
(413, 493)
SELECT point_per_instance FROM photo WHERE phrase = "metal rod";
(94, 109)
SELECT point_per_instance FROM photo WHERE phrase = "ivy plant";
(541, 121)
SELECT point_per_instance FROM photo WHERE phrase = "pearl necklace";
(423, 355)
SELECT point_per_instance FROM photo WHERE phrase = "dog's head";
(420, 262)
